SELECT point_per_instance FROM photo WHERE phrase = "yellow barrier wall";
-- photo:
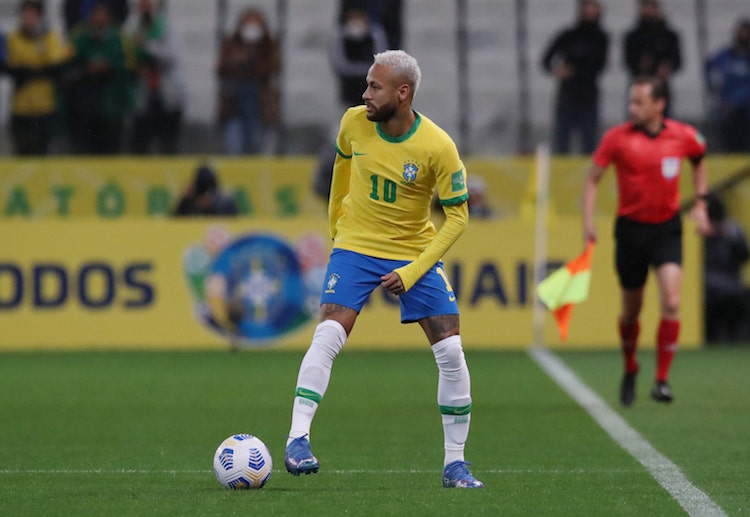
(113, 189)
(168, 284)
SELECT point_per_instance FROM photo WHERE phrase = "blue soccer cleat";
(299, 458)
(456, 475)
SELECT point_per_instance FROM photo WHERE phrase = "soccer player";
(648, 153)
(390, 159)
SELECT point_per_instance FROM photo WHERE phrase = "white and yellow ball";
(242, 461)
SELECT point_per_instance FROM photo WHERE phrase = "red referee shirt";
(648, 167)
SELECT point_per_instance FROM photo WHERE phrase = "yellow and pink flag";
(565, 287)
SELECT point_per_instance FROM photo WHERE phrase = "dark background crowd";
(103, 87)
(576, 57)
(77, 92)
(113, 81)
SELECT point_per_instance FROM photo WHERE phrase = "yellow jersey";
(382, 190)
(36, 96)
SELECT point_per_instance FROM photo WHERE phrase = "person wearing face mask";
(248, 72)
(357, 39)
(160, 90)
(98, 85)
(388, 14)
(652, 47)
(576, 57)
(34, 58)
(728, 78)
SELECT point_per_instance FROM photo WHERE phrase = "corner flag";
(565, 287)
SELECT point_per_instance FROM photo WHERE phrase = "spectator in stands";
(726, 250)
(248, 71)
(479, 206)
(576, 58)
(75, 12)
(3, 51)
(323, 172)
(357, 39)
(34, 58)
(160, 90)
(386, 13)
(728, 78)
(99, 85)
(652, 47)
(204, 198)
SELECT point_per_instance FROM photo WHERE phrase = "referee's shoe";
(627, 389)
(661, 392)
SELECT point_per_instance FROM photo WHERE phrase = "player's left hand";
(392, 283)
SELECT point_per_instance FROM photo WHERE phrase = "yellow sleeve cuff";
(456, 220)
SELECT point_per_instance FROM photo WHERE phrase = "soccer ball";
(242, 461)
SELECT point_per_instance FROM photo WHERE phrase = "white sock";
(314, 374)
(453, 396)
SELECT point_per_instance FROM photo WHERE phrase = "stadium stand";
(493, 112)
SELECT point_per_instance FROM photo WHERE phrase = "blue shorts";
(351, 278)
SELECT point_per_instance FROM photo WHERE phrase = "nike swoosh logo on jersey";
(451, 298)
(359, 154)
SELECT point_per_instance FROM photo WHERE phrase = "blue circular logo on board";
(257, 287)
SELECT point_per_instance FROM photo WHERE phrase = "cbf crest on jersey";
(670, 167)
(410, 171)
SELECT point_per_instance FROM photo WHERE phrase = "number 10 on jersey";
(389, 189)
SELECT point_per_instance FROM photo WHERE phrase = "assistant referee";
(647, 153)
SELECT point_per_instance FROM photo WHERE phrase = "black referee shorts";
(640, 245)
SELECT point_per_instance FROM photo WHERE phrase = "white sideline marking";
(326, 471)
(693, 500)
(99, 471)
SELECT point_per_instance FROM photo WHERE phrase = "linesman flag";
(567, 286)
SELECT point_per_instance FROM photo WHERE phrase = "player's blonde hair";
(402, 63)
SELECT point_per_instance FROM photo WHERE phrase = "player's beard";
(382, 114)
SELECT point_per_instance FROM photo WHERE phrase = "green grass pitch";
(126, 433)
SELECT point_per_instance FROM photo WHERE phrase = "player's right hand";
(589, 233)
(392, 283)
(699, 215)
